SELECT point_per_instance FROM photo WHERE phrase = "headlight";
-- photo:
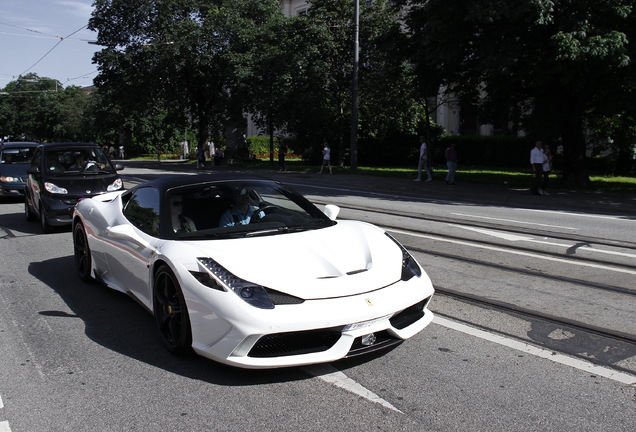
(410, 267)
(10, 179)
(219, 278)
(116, 185)
(247, 291)
(52, 188)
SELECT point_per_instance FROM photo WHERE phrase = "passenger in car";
(180, 222)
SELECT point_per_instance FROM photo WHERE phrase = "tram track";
(527, 313)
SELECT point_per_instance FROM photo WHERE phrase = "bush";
(490, 151)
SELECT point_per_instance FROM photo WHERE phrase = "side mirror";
(331, 211)
(33, 169)
(119, 166)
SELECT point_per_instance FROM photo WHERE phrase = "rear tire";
(83, 260)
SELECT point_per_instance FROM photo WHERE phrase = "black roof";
(177, 180)
(18, 144)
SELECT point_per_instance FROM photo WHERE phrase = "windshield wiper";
(276, 230)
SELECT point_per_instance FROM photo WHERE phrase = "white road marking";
(333, 376)
(4, 426)
(515, 221)
(515, 237)
(585, 366)
(1, 404)
(514, 252)
(572, 213)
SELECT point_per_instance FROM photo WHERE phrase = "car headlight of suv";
(54, 189)
(410, 267)
(221, 279)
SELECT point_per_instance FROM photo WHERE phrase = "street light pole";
(354, 89)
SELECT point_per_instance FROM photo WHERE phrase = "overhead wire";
(54, 46)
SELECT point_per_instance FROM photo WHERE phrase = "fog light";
(368, 339)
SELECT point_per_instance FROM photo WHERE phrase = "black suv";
(62, 173)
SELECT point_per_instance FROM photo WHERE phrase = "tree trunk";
(575, 172)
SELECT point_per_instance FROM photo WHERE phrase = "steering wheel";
(264, 211)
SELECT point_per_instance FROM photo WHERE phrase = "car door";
(132, 243)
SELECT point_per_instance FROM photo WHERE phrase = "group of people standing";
(541, 161)
(451, 162)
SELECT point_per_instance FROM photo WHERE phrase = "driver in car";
(241, 211)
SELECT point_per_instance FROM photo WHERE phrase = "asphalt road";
(77, 357)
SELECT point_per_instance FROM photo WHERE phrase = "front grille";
(409, 315)
(382, 340)
(296, 343)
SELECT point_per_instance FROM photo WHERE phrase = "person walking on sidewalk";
(423, 163)
(326, 158)
(537, 159)
(547, 168)
(451, 163)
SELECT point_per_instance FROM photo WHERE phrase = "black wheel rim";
(168, 309)
(82, 253)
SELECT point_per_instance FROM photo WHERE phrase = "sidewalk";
(617, 203)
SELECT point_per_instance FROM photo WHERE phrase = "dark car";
(62, 173)
(15, 158)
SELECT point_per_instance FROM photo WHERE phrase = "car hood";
(345, 259)
(84, 185)
(14, 170)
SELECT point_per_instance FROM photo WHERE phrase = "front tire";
(28, 211)
(171, 312)
(83, 260)
(44, 223)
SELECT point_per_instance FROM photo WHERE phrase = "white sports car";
(247, 272)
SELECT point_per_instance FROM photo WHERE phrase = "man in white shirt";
(537, 159)
(423, 163)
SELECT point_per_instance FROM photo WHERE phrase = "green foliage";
(551, 66)
(492, 151)
(40, 109)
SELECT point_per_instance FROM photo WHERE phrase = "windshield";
(17, 155)
(239, 209)
(85, 160)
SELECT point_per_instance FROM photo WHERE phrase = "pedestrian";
(537, 159)
(326, 158)
(423, 162)
(122, 153)
(282, 151)
(200, 157)
(219, 155)
(185, 149)
(547, 167)
(451, 163)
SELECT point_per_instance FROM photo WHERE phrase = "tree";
(322, 73)
(551, 63)
(187, 56)
(40, 109)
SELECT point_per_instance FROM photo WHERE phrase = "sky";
(49, 38)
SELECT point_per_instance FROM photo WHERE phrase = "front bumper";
(59, 211)
(317, 331)
(12, 189)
